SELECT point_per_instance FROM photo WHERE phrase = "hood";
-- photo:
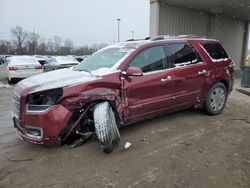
(56, 79)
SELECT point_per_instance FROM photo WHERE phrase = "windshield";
(105, 58)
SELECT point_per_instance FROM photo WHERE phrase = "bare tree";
(19, 37)
(24, 43)
(67, 48)
(97, 47)
(57, 43)
(33, 41)
(42, 47)
(6, 47)
(68, 43)
(50, 47)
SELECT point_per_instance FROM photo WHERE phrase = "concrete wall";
(168, 19)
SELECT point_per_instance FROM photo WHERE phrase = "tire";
(216, 99)
(106, 127)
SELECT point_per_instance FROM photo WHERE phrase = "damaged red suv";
(123, 84)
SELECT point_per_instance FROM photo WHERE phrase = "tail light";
(13, 68)
(38, 67)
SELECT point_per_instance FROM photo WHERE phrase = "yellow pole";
(248, 61)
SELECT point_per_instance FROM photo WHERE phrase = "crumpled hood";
(56, 79)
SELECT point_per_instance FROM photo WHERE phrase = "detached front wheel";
(216, 99)
(105, 125)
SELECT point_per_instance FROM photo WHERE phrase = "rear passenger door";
(188, 72)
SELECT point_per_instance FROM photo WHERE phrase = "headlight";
(41, 101)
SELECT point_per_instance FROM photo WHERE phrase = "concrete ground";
(185, 149)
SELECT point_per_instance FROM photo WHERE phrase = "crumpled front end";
(57, 115)
(39, 125)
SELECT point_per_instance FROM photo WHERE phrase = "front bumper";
(49, 124)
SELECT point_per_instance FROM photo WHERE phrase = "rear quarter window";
(215, 50)
(182, 54)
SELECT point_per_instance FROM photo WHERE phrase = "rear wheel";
(216, 99)
(106, 127)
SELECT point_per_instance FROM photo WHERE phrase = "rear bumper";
(49, 124)
(15, 74)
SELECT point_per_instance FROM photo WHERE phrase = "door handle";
(166, 79)
(202, 72)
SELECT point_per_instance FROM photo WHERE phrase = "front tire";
(216, 99)
(106, 127)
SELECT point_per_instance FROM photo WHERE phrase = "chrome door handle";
(166, 79)
(202, 72)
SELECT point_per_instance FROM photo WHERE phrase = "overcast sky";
(82, 21)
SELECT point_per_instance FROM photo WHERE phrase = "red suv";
(123, 84)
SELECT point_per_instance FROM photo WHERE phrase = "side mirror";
(133, 72)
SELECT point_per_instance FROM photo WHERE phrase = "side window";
(215, 50)
(182, 55)
(151, 59)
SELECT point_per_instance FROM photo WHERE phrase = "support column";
(154, 17)
(245, 44)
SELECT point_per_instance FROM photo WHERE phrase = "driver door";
(151, 93)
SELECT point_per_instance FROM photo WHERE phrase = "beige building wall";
(167, 19)
(230, 32)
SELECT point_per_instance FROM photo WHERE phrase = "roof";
(234, 8)
(135, 43)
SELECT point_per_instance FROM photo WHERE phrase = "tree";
(19, 37)
(97, 47)
(30, 43)
(67, 48)
(68, 44)
(6, 47)
(57, 43)
(33, 42)
(42, 48)
(50, 47)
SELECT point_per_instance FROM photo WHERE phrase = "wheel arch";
(225, 82)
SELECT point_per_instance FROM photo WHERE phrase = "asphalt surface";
(185, 149)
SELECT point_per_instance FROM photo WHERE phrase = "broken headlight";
(41, 101)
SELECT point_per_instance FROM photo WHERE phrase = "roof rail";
(163, 37)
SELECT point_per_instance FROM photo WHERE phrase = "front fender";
(77, 101)
(90, 97)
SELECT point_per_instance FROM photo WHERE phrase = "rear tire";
(216, 99)
(106, 127)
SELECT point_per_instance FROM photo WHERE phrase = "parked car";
(22, 67)
(41, 59)
(59, 62)
(3, 59)
(123, 84)
(79, 58)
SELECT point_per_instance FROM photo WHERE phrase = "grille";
(16, 104)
